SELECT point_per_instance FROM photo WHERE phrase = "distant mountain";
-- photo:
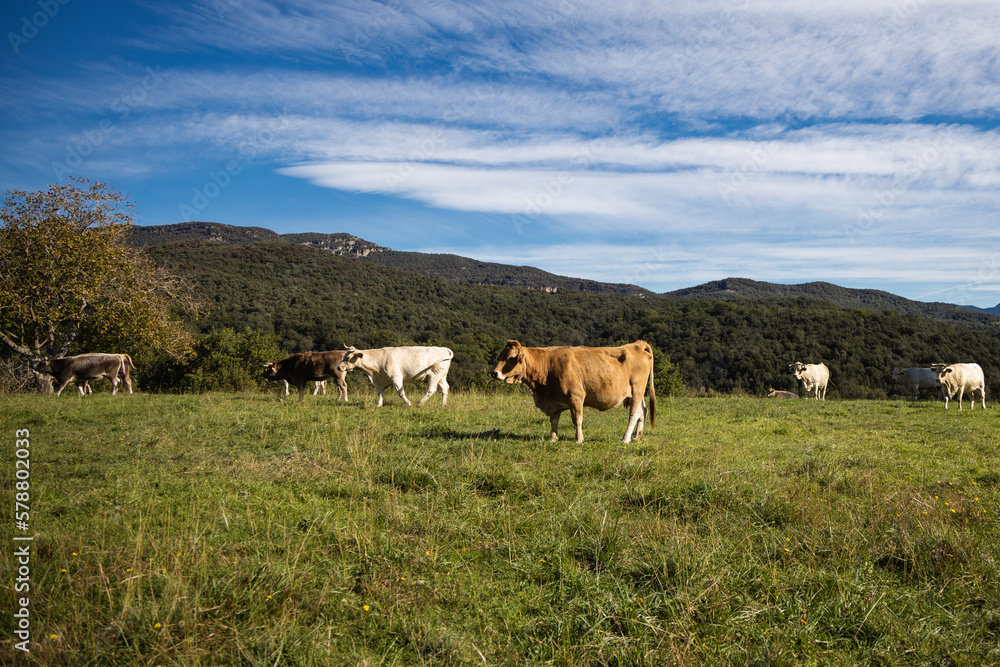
(447, 267)
(466, 270)
(455, 268)
(845, 297)
(201, 231)
(995, 309)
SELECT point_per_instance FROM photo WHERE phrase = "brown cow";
(569, 378)
(84, 367)
(304, 367)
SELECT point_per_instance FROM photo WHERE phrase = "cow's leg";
(301, 386)
(443, 384)
(380, 389)
(341, 387)
(577, 414)
(554, 420)
(62, 385)
(287, 388)
(80, 388)
(636, 418)
(982, 393)
(961, 393)
(114, 383)
(433, 384)
(397, 384)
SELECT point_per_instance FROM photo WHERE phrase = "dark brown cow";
(305, 367)
(84, 367)
(569, 378)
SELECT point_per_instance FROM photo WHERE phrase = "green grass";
(239, 530)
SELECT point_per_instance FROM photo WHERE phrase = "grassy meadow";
(241, 530)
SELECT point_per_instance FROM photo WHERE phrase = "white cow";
(915, 379)
(814, 377)
(777, 393)
(393, 366)
(959, 378)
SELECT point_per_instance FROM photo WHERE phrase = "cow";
(319, 384)
(395, 366)
(570, 378)
(959, 378)
(84, 367)
(304, 367)
(915, 379)
(814, 377)
(775, 393)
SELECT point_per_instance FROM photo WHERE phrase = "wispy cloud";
(813, 136)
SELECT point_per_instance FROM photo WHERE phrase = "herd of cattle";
(559, 378)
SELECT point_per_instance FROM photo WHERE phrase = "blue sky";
(659, 143)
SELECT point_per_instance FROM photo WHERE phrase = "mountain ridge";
(456, 268)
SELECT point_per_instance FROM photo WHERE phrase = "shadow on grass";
(488, 435)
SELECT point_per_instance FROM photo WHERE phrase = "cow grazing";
(775, 393)
(814, 377)
(319, 384)
(395, 366)
(569, 378)
(304, 367)
(960, 378)
(915, 379)
(82, 368)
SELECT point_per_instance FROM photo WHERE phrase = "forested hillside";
(467, 270)
(316, 300)
(449, 267)
(742, 288)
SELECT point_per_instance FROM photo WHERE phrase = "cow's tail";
(652, 391)
(128, 359)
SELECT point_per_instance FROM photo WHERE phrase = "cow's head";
(352, 356)
(797, 368)
(43, 375)
(507, 363)
(942, 376)
(270, 370)
(897, 373)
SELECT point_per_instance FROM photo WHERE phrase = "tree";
(69, 272)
